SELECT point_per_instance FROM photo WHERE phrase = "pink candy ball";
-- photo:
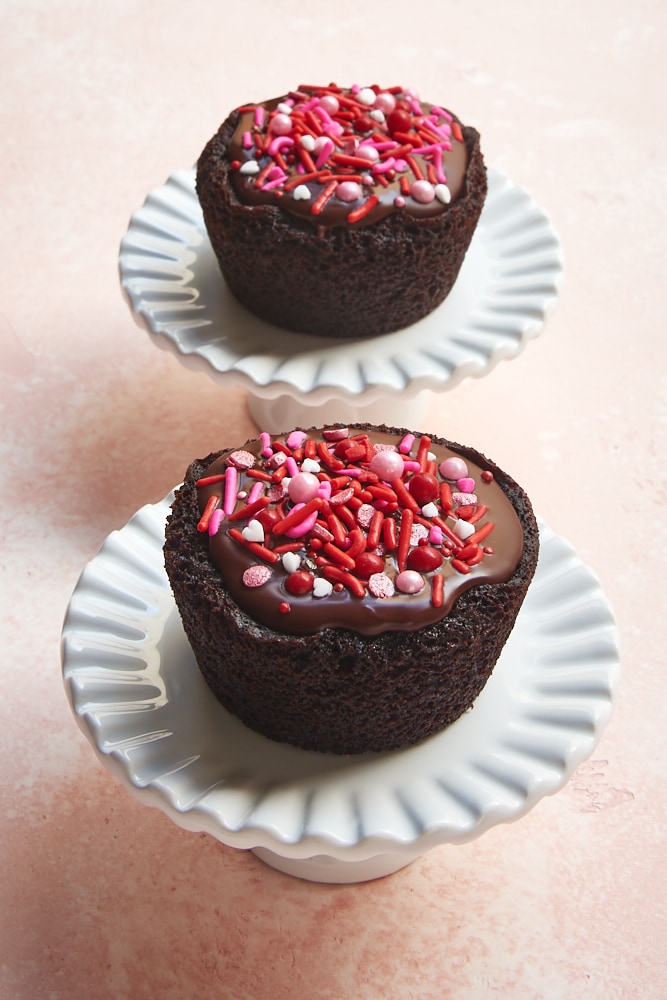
(329, 103)
(367, 152)
(409, 581)
(303, 487)
(281, 124)
(385, 102)
(387, 465)
(348, 191)
(453, 468)
(423, 192)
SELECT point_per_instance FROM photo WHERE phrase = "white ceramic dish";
(139, 698)
(508, 283)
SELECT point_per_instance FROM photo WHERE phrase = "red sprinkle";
(211, 504)
(437, 590)
(210, 480)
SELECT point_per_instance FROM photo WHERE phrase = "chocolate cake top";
(354, 528)
(348, 156)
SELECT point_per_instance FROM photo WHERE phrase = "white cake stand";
(140, 700)
(508, 283)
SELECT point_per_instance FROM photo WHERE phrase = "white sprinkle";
(308, 143)
(463, 529)
(286, 109)
(430, 510)
(253, 532)
(322, 587)
(249, 167)
(443, 193)
(291, 562)
(310, 465)
(301, 193)
(367, 96)
(377, 116)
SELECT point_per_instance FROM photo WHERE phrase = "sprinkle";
(210, 480)
(249, 168)
(404, 538)
(256, 576)
(255, 492)
(251, 508)
(337, 575)
(241, 460)
(259, 550)
(389, 533)
(406, 444)
(215, 521)
(211, 504)
(359, 213)
(253, 532)
(409, 582)
(463, 529)
(482, 533)
(267, 450)
(322, 588)
(259, 116)
(381, 586)
(437, 590)
(459, 566)
(456, 132)
(297, 515)
(284, 608)
(231, 486)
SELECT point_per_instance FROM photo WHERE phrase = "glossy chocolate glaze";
(366, 615)
(453, 163)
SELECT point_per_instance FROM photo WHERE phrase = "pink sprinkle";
(466, 484)
(276, 459)
(381, 168)
(435, 536)
(410, 582)
(256, 492)
(265, 438)
(214, 523)
(303, 527)
(279, 143)
(464, 499)
(336, 434)
(256, 576)
(324, 148)
(277, 492)
(406, 444)
(247, 140)
(231, 486)
(341, 497)
(380, 585)
(411, 466)
(365, 515)
(423, 192)
(399, 201)
(292, 467)
(259, 116)
(417, 532)
(241, 460)
(324, 489)
(296, 439)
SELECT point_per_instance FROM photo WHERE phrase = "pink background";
(101, 896)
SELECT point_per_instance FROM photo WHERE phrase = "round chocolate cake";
(341, 212)
(349, 589)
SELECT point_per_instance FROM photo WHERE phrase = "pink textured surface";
(100, 896)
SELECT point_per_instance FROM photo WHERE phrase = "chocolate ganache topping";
(355, 529)
(336, 156)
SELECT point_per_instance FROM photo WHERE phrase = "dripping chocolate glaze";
(369, 615)
(335, 212)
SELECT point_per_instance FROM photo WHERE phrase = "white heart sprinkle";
(253, 532)
(321, 587)
(301, 193)
(310, 465)
(463, 529)
(430, 510)
(377, 116)
(443, 193)
(249, 167)
(291, 562)
(285, 109)
(308, 142)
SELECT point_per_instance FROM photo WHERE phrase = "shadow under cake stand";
(508, 283)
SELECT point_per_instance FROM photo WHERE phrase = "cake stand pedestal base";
(284, 412)
(323, 868)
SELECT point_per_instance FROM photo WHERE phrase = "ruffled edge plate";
(508, 283)
(140, 700)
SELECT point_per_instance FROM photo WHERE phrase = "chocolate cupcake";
(341, 212)
(349, 589)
